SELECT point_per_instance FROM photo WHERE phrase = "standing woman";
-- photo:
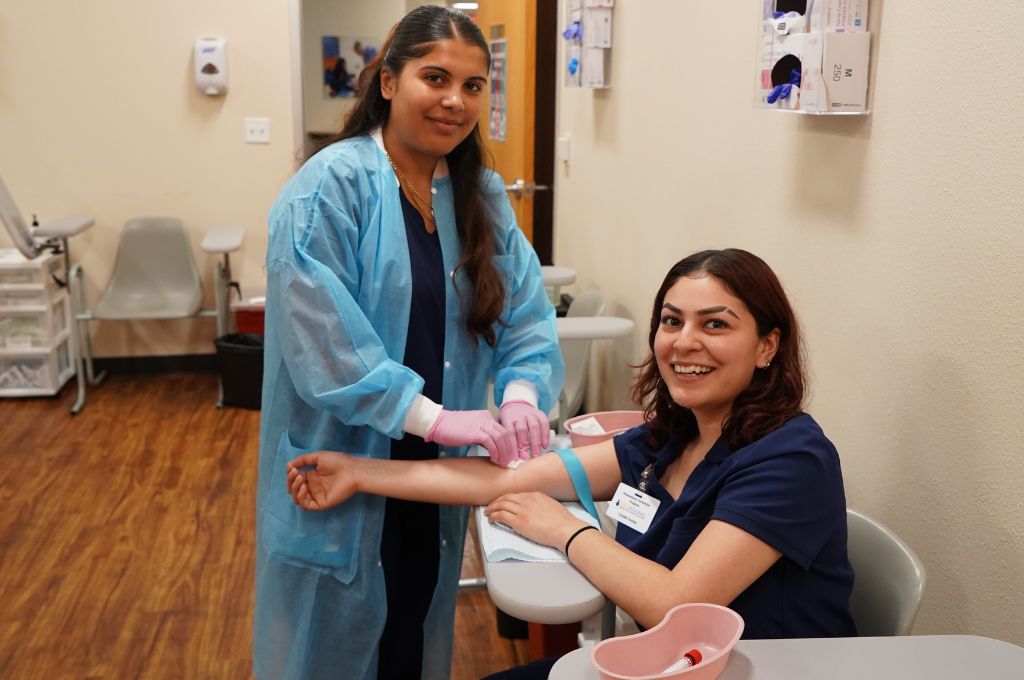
(398, 284)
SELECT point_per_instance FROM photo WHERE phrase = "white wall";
(898, 237)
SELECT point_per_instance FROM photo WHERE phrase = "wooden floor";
(126, 538)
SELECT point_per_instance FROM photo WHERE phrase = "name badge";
(633, 508)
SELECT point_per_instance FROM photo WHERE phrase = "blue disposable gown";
(338, 297)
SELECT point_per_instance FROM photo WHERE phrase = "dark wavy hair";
(774, 395)
(411, 38)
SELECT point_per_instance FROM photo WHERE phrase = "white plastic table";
(540, 592)
(553, 277)
(551, 593)
(592, 327)
(913, 657)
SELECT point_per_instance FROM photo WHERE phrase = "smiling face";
(435, 99)
(707, 347)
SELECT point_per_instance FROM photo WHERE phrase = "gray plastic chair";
(889, 578)
(154, 277)
(888, 584)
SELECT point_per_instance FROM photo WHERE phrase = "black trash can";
(563, 305)
(510, 627)
(240, 362)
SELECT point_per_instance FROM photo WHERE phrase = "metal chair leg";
(80, 379)
(74, 274)
(222, 293)
(84, 371)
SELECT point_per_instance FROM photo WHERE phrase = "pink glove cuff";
(505, 404)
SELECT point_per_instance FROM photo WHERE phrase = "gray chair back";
(155, 275)
(889, 578)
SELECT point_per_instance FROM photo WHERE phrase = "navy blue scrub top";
(787, 490)
(424, 346)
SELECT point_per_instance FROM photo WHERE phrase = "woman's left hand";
(535, 516)
(531, 427)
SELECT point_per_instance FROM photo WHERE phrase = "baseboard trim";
(181, 363)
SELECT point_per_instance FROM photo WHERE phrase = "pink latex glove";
(462, 428)
(530, 426)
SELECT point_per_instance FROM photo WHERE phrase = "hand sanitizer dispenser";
(211, 62)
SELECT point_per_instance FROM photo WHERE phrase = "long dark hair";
(413, 37)
(774, 395)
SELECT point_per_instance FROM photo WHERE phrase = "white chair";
(576, 355)
(554, 278)
(889, 578)
(154, 277)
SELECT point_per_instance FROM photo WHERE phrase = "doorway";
(317, 115)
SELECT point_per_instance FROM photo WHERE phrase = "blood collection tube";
(691, 658)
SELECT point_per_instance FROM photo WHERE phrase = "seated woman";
(751, 511)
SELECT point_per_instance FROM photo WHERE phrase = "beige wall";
(99, 115)
(899, 237)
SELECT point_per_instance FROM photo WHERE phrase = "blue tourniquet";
(579, 481)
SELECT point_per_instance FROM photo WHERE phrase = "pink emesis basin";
(709, 628)
(612, 422)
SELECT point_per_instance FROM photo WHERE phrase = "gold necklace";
(421, 205)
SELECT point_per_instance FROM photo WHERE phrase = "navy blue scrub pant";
(410, 555)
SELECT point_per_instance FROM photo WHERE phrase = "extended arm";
(333, 351)
(323, 479)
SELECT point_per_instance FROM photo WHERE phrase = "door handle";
(523, 188)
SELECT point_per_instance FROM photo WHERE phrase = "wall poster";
(497, 128)
(343, 59)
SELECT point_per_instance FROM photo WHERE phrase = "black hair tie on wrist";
(573, 538)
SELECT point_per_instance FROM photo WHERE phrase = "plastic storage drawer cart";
(36, 353)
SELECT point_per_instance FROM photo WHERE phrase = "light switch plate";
(562, 148)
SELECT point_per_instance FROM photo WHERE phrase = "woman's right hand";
(321, 480)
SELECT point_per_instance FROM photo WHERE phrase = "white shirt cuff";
(520, 390)
(421, 416)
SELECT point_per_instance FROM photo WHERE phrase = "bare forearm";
(719, 565)
(460, 481)
(454, 481)
(642, 588)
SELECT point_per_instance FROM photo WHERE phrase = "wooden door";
(507, 122)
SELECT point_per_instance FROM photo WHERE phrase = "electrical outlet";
(257, 131)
